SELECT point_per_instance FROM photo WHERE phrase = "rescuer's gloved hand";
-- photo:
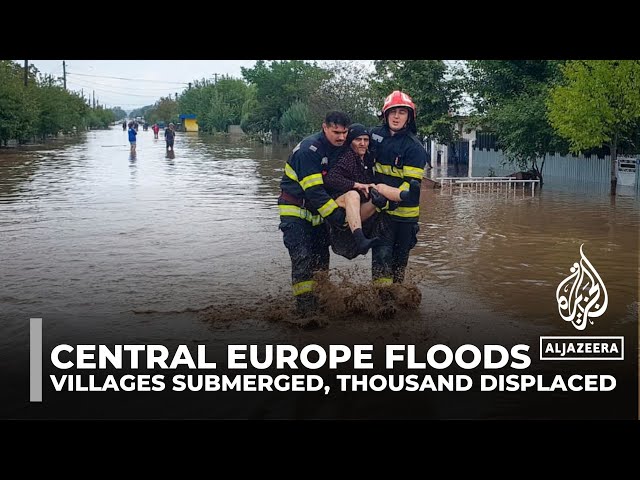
(377, 199)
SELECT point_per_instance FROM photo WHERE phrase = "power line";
(126, 94)
(129, 79)
(96, 84)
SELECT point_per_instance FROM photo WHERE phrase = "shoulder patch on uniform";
(376, 137)
(313, 148)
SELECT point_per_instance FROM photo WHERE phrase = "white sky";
(138, 82)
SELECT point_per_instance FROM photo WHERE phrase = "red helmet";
(399, 99)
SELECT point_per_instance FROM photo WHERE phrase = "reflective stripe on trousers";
(308, 248)
(390, 257)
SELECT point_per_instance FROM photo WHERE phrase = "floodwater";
(109, 248)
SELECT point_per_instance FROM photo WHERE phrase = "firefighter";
(400, 158)
(305, 205)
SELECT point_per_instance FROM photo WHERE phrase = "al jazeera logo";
(582, 297)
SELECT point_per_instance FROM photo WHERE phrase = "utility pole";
(94, 99)
(26, 72)
(64, 74)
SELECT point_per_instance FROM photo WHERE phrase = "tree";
(296, 122)
(119, 113)
(491, 82)
(250, 122)
(598, 104)
(279, 85)
(511, 96)
(216, 105)
(18, 106)
(346, 89)
(41, 107)
(435, 94)
(165, 110)
(525, 135)
(61, 111)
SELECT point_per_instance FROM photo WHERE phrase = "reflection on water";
(515, 251)
(88, 225)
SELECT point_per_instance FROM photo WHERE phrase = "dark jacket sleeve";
(309, 172)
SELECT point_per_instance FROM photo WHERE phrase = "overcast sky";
(135, 83)
(131, 84)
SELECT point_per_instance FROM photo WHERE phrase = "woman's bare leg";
(412, 194)
(350, 201)
(367, 210)
(391, 193)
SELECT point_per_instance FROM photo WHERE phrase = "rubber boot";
(363, 243)
(306, 304)
(387, 307)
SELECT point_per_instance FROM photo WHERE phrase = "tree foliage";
(525, 134)
(598, 104)
(119, 113)
(42, 107)
(216, 105)
(164, 110)
(277, 86)
(296, 122)
(59, 112)
(345, 89)
(511, 95)
(18, 106)
(435, 94)
(490, 83)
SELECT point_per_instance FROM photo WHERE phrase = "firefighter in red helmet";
(400, 160)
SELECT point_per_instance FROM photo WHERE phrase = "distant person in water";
(132, 138)
(169, 136)
(155, 129)
(124, 125)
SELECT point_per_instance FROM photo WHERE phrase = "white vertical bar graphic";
(35, 360)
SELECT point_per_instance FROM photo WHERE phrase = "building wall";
(588, 169)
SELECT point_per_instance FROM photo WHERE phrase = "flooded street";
(106, 248)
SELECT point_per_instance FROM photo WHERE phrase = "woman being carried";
(351, 182)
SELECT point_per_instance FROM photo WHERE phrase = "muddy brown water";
(112, 249)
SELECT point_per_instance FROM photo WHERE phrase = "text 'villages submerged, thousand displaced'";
(353, 383)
